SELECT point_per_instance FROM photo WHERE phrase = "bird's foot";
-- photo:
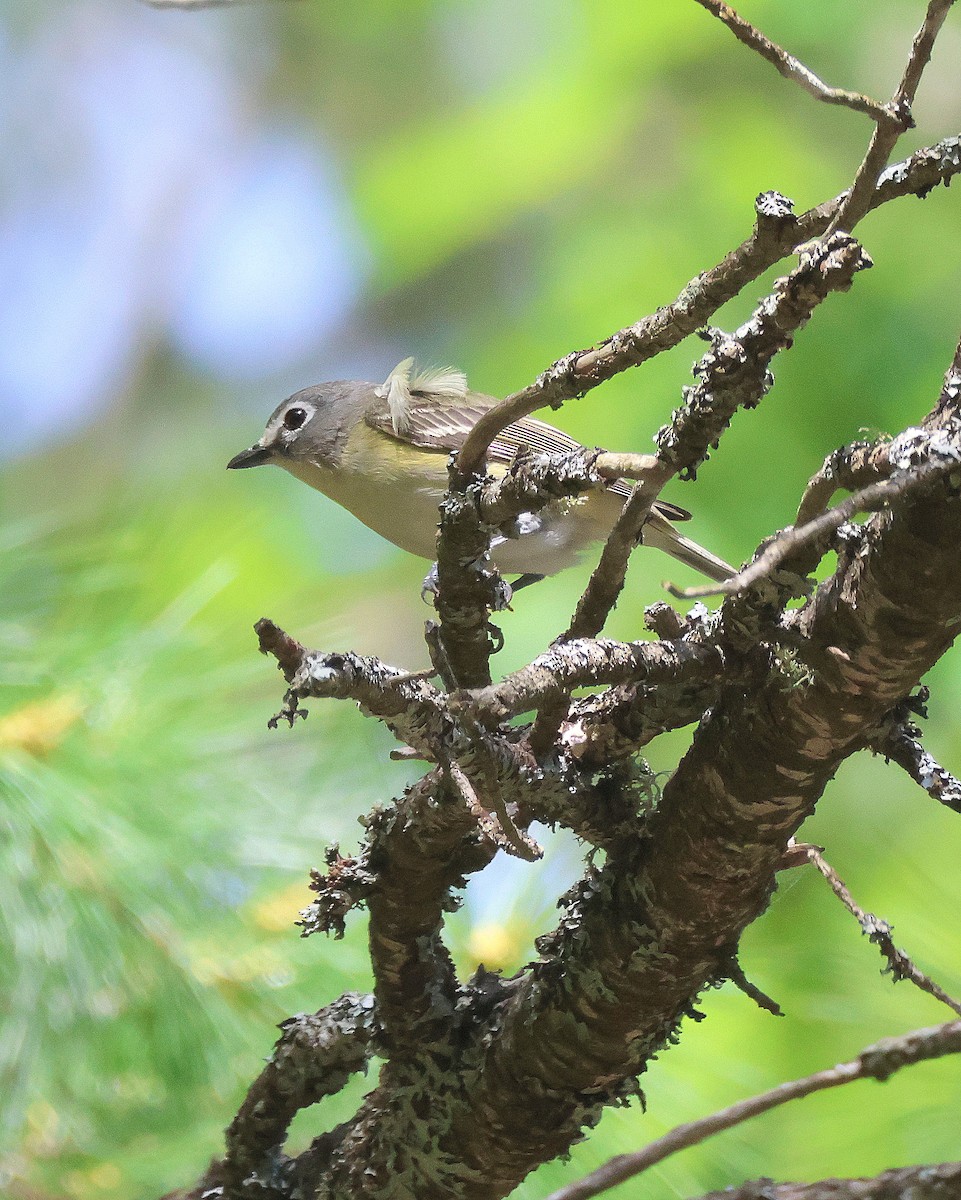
(501, 589)
(430, 587)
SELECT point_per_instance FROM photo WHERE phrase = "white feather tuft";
(445, 383)
(404, 383)
(396, 390)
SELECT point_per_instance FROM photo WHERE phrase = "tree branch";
(790, 67)
(880, 1062)
(313, 1058)
(712, 847)
(938, 1182)
(776, 233)
(879, 932)
(851, 467)
(896, 119)
(898, 746)
(802, 547)
(734, 373)
(588, 661)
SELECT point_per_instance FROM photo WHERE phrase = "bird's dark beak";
(256, 456)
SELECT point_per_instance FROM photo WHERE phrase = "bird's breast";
(396, 491)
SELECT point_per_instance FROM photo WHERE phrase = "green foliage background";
(528, 179)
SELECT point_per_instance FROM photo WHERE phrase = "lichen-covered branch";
(411, 707)
(590, 661)
(641, 934)
(801, 547)
(314, 1057)
(936, 1181)
(850, 467)
(776, 234)
(734, 373)
(899, 746)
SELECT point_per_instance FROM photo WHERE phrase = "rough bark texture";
(486, 1080)
(938, 1182)
(483, 1080)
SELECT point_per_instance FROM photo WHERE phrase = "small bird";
(381, 452)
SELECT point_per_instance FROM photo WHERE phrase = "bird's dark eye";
(294, 418)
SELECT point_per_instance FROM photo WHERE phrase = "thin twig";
(607, 579)
(896, 120)
(898, 746)
(925, 1181)
(735, 973)
(879, 1061)
(850, 467)
(494, 819)
(776, 233)
(485, 821)
(879, 932)
(789, 66)
(796, 538)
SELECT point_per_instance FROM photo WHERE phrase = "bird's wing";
(430, 412)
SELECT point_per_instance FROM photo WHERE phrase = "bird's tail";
(658, 531)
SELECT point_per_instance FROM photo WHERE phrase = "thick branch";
(432, 839)
(642, 933)
(313, 1058)
(589, 661)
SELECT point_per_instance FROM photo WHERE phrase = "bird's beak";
(256, 456)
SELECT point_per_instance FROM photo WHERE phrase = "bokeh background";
(202, 211)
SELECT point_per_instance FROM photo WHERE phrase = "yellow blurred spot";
(106, 1177)
(39, 727)
(493, 945)
(94, 1182)
(278, 912)
(261, 964)
(81, 868)
(42, 1125)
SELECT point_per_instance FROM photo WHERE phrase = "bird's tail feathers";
(659, 532)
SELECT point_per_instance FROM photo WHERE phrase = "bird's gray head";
(312, 425)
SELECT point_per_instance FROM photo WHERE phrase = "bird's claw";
(430, 586)
(502, 594)
(501, 590)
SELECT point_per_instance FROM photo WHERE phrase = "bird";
(381, 451)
